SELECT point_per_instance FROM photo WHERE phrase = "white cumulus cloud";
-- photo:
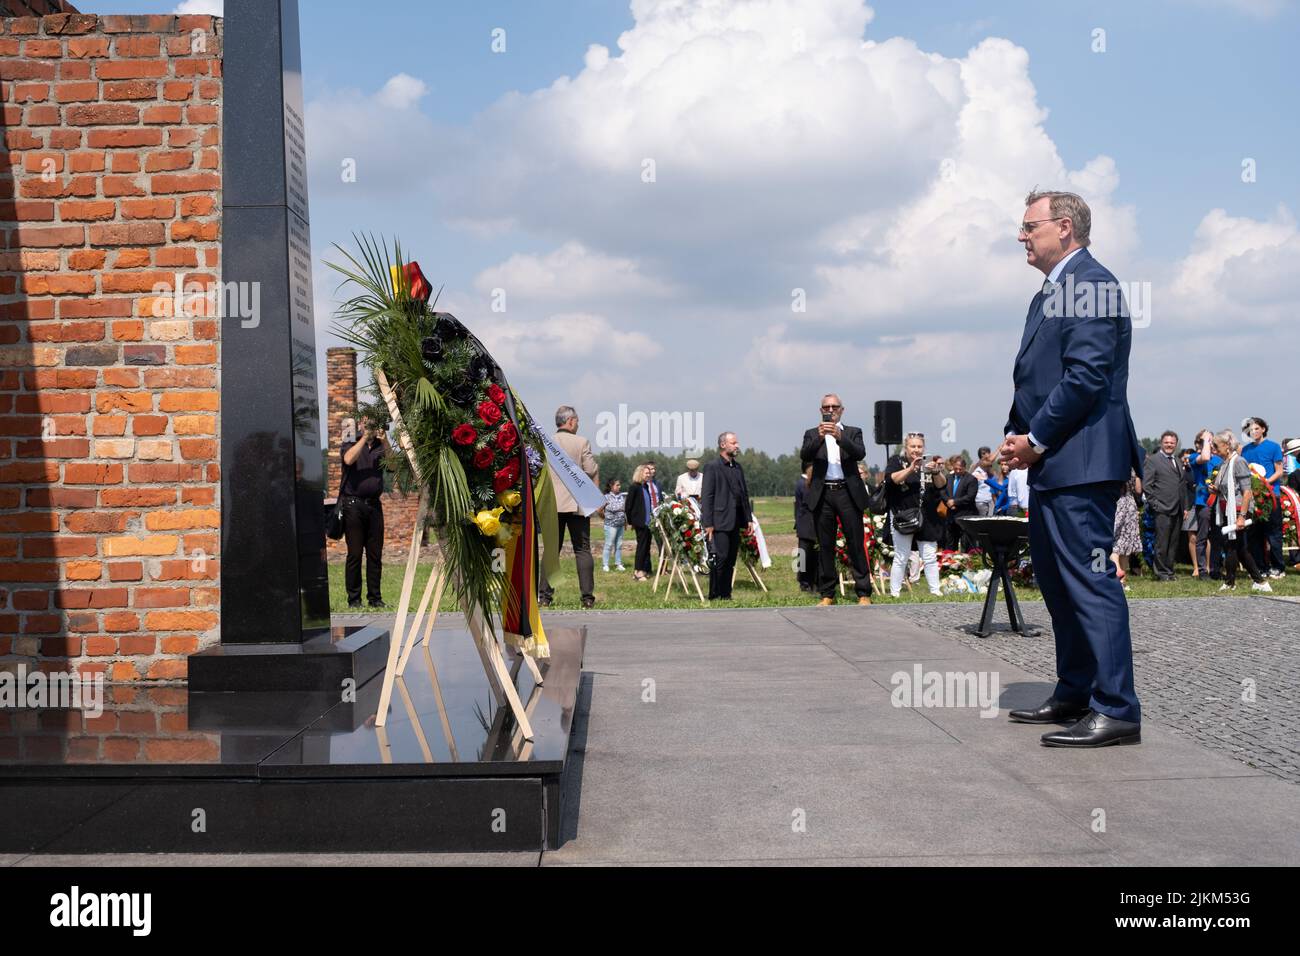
(213, 8)
(570, 273)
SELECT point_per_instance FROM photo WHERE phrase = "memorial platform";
(166, 769)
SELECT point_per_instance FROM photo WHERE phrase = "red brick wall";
(109, 479)
(399, 510)
(341, 390)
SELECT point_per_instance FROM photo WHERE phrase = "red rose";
(464, 435)
(496, 393)
(489, 412)
(507, 436)
(483, 457)
(507, 476)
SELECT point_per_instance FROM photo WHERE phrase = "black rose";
(449, 326)
(479, 369)
(431, 348)
(463, 394)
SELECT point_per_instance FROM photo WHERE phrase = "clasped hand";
(1017, 452)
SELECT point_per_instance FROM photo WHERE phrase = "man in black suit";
(726, 512)
(961, 504)
(1162, 485)
(805, 529)
(837, 490)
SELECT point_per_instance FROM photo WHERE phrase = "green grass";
(617, 591)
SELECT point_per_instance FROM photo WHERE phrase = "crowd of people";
(1223, 497)
(1201, 498)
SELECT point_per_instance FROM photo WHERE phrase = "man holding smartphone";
(363, 513)
(837, 491)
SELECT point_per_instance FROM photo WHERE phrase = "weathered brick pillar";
(109, 187)
(341, 393)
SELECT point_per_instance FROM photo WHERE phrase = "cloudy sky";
(730, 206)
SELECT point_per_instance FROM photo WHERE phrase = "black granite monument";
(274, 588)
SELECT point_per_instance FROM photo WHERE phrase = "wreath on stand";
(684, 533)
(471, 445)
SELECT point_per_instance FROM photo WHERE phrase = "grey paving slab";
(712, 664)
(1244, 821)
(758, 626)
(1015, 748)
(872, 634)
(9, 859)
(769, 632)
(748, 716)
(282, 859)
(1224, 672)
(905, 799)
(1081, 858)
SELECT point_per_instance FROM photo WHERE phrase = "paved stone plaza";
(1193, 658)
(772, 738)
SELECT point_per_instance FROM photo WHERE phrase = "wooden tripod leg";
(673, 571)
(518, 744)
(437, 599)
(413, 632)
(497, 662)
(758, 578)
(415, 721)
(442, 706)
(663, 557)
(476, 631)
(696, 578)
(533, 669)
(395, 639)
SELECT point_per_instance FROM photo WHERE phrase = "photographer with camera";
(363, 513)
(915, 491)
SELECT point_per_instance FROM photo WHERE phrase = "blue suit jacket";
(1071, 380)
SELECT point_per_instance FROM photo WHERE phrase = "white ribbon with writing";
(585, 491)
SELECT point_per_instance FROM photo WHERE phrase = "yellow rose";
(510, 499)
(489, 522)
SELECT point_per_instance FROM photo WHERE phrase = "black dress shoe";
(1050, 711)
(354, 605)
(1095, 730)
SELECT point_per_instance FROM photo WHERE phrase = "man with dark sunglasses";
(834, 449)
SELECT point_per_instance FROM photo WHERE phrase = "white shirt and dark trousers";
(837, 491)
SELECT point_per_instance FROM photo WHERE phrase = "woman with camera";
(914, 494)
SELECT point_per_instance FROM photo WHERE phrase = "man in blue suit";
(1070, 424)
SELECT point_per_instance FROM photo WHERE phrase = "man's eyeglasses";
(831, 408)
(1027, 227)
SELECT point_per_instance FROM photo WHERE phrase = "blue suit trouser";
(1071, 534)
